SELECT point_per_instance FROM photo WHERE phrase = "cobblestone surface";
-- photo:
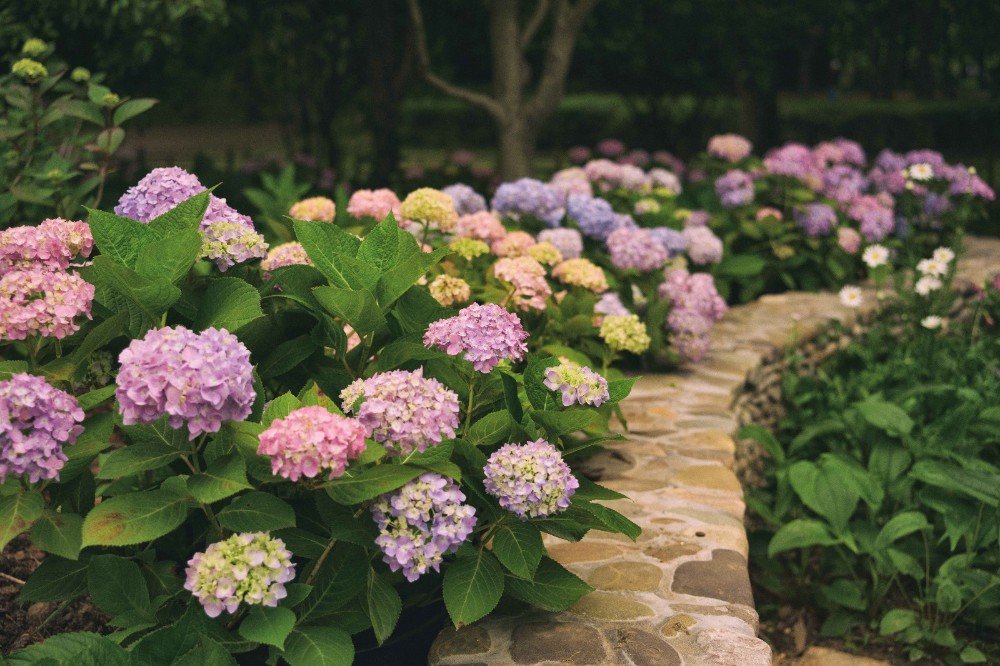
(681, 594)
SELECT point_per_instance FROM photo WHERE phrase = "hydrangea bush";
(287, 456)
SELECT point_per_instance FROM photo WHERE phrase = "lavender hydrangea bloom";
(696, 306)
(36, 421)
(636, 249)
(610, 303)
(735, 188)
(816, 219)
(528, 196)
(874, 215)
(843, 183)
(577, 384)
(403, 410)
(704, 247)
(594, 216)
(198, 379)
(568, 241)
(793, 160)
(41, 301)
(667, 180)
(310, 440)
(229, 243)
(467, 200)
(158, 191)
(671, 240)
(486, 334)
(530, 480)
(252, 568)
(421, 522)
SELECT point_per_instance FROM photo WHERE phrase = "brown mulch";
(24, 624)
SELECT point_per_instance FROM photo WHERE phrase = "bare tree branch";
(568, 19)
(534, 23)
(424, 61)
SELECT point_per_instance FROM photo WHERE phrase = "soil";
(24, 624)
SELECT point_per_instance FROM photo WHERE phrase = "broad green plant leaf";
(341, 578)
(80, 648)
(55, 579)
(224, 478)
(519, 547)
(134, 518)
(899, 526)
(554, 588)
(137, 457)
(257, 512)
(59, 533)
(800, 533)
(318, 646)
(472, 586)
(268, 625)
(371, 483)
(118, 238)
(228, 304)
(382, 605)
(117, 586)
(18, 513)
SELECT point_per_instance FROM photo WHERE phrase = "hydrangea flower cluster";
(448, 290)
(610, 303)
(159, 191)
(286, 254)
(527, 276)
(729, 147)
(636, 249)
(528, 196)
(311, 440)
(795, 161)
(530, 480)
(696, 306)
(465, 199)
(609, 175)
(593, 215)
(816, 219)
(252, 568)
(469, 248)
(843, 183)
(839, 151)
(545, 253)
(376, 204)
(316, 209)
(848, 239)
(703, 246)
(734, 188)
(581, 273)
(421, 522)
(37, 301)
(486, 334)
(51, 245)
(403, 410)
(200, 379)
(577, 384)
(572, 181)
(36, 421)
(484, 226)
(514, 244)
(672, 240)
(875, 216)
(610, 147)
(646, 207)
(431, 207)
(664, 182)
(625, 332)
(230, 243)
(569, 242)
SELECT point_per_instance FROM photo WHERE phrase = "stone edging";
(680, 595)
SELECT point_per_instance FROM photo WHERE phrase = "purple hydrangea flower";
(816, 219)
(636, 249)
(696, 306)
(610, 303)
(310, 440)
(421, 522)
(39, 301)
(158, 191)
(487, 334)
(843, 183)
(403, 410)
(671, 240)
(467, 200)
(530, 480)
(661, 178)
(874, 215)
(703, 246)
(735, 188)
(594, 216)
(36, 421)
(568, 241)
(528, 196)
(198, 379)
(577, 384)
(793, 160)
(251, 568)
(51, 245)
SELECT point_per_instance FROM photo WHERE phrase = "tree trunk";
(387, 65)
(517, 149)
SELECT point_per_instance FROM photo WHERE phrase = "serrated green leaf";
(371, 483)
(55, 579)
(59, 533)
(519, 547)
(340, 579)
(18, 513)
(147, 298)
(800, 533)
(82, 648)
(610, 520)
(398, 280)
(228, 304)
(380, 248)
(554, 588)
(472, 586)
(382, 605)
(620, 389)
(118, 238)
(169, 258)
(92, 399)
(356, 307)
(117, 586)
(540, 396)
(257, 512)
(135, 458)
(134, 518)
(491, 428)
(318, 646)
(224, 478)
(280, 407)
(9, 368)
(268, 625)
(326, 244)
(287, 356)
(557, 424)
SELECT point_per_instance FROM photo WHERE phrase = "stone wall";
(681, 594)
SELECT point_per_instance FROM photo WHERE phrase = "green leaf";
(92, 399)
(97, 432)
(588, 491)
(885, 416)
(899, 526)
(287, 356)
(982, 485)
(185, 216)
(401, 278)
(610, 520)
(228, 304)
(100, 335)
(83, 110)
(117, 586)
(224, 478)
(131, 108)
(18, 513)
(620, 389)
(554, 587)
(55, 579)
(971, 655)
(280, 407)
(10, 368)
(59, 533)
(382, 605)
(80, 648)
(800, 533)
(371, 483)
(472, 586)
(519, 547)
(491, 428)
(318, 646)
(540, 396)
(763, 436)
(118, 238)
(169, 258)
(268, 625)
(137, 457)
(846, 593)
(510, 396)
(326, 245)
(147, 298)
(340, 579)
(356, 307)
(740, 266)
(109, 139)
(380, 248)
(824, 492)
(896, 620)
(557, 424)
(948, 597)
(134, 518)
(257, 512)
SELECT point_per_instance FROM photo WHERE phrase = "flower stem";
(469, 407)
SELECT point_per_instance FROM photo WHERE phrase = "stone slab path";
(681, 594)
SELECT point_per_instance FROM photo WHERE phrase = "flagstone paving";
(680, 595)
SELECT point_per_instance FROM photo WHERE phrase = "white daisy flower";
(875, 255)
(931, 322)
(926, 285)
(932, 267)
(851, 297)
(921, 172)
(944, 254)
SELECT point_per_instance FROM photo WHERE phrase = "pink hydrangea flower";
(311, 440)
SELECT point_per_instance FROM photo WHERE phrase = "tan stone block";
(678, 624)
(607, 606)
(716, 477)
(620, 576)
(644, 648)
(673, 551)
(583, 551)
(562, 642)
(468, 640)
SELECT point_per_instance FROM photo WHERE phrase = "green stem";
(320, 561)
(469, 407)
